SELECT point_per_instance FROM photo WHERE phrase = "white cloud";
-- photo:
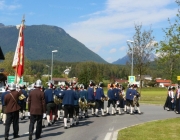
(4, 6)
(112, 50)
(123, 48)
(110, 26)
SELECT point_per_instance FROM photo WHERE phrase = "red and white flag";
(18, 61)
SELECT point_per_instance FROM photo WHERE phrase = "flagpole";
(22, 25)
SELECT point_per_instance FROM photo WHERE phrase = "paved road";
(95, 128)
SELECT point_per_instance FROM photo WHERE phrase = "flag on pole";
(18, 61)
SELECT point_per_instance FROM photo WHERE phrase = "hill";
(40, 40)
(125, 59)
(122, 61)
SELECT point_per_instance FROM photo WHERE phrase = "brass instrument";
(57, 100)
(135, 100)
(104, 99)
(91, 104)
(82, 103)
(21, 97)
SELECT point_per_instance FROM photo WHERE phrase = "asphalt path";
(94, 128)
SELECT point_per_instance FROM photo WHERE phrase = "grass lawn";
(157, 130)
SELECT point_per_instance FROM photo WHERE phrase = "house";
(121, 81)
(163, 82)
(62, 81)
(59, 81)
(67, 70)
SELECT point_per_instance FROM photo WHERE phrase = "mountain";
(40, 40)
(122, 61)
(125, 59)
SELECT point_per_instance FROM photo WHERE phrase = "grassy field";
(157, 130)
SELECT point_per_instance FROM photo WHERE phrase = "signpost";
(178, 77)
(131, 79)
(11, 79)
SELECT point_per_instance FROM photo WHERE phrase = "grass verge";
(157, 130)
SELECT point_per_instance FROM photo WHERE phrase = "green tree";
(169, 49)
(142, 48)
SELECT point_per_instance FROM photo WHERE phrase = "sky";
(103, 26)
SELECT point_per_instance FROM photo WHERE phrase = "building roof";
(60, 79)
(163, 81)
(121, 81)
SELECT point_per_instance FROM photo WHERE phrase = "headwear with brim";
(12, 86)
(38, 83)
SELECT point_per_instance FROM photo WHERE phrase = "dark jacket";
(12, 103)
(68, 97)
(36, 102)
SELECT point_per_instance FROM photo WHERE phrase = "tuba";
(57, 100)
(82, 103)
(91, 104)
(21, 97)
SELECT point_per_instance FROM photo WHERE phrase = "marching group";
(71, 101)
(172, 102)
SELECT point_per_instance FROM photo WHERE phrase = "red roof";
(162, 81)
(121, 81)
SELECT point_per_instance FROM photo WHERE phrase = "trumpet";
(21, 97)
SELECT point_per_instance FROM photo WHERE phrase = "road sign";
(10, 79)
(131, 79)
(178, 77)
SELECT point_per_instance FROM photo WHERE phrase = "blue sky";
(103, 26)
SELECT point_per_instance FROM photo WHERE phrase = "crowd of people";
(172, 102)
(69, 102)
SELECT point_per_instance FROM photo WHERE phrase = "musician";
(130, 93)
(76, 105)
(122, 98)
(112, 99)
(68, 97)
(136, 99)
(36, 107)
(12, 111)
(60, 108)
(50, 105)
(91, 97)
(3, 114)
(83, 96)
(99, 95)
(118, 96)
(23, 102)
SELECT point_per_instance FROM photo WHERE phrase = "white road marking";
(115, 134)
(108, 136)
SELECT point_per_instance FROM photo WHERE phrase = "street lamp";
(52, 64)
(48, 72)
(132, 56)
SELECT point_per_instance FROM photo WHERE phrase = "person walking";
(36, 107)
(12, 111)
